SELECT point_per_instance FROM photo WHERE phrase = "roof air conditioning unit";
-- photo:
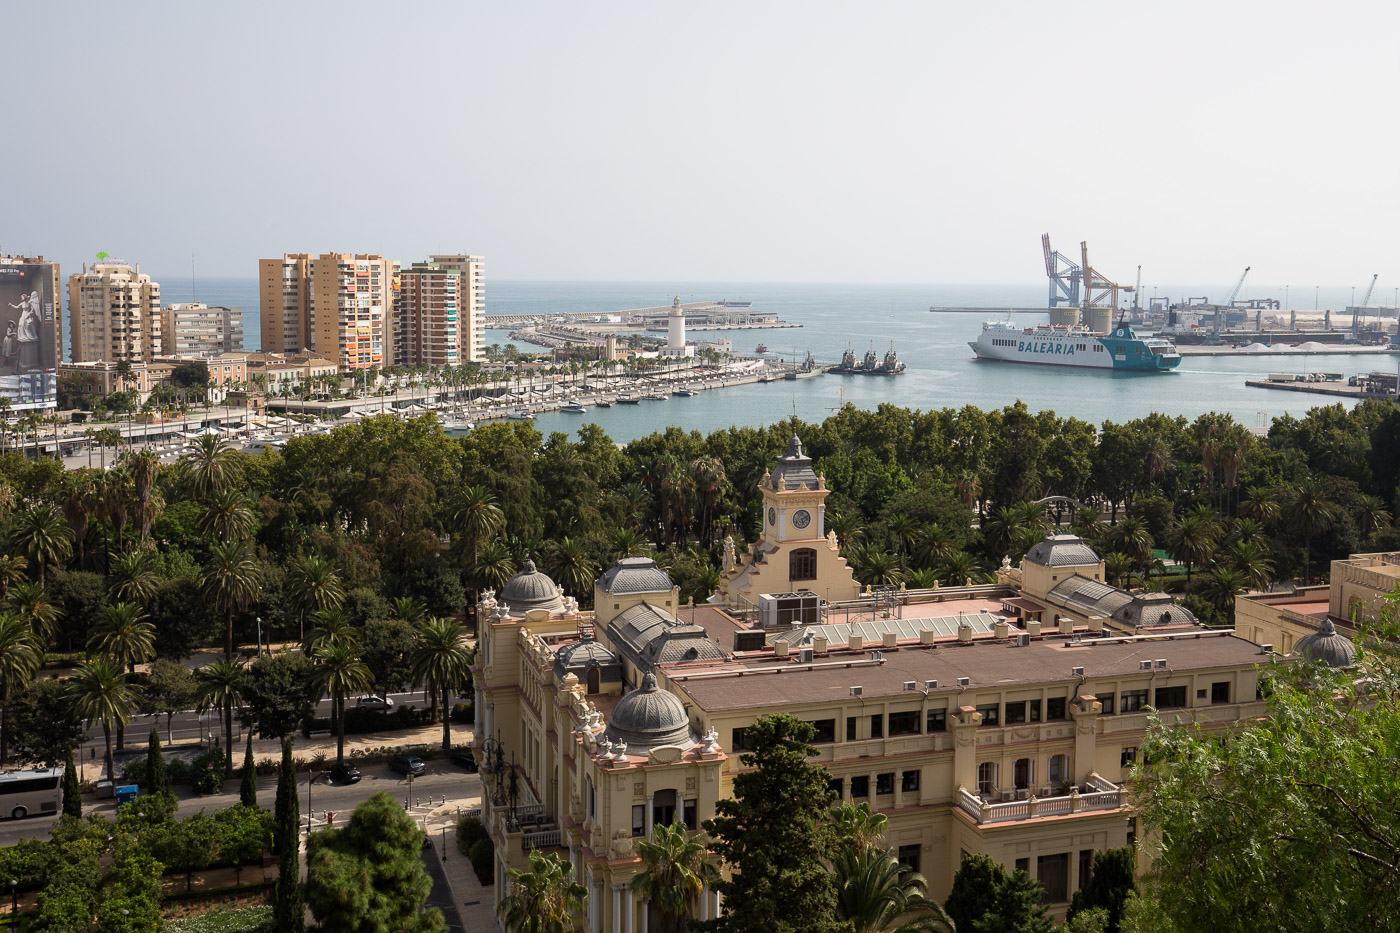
(1076, 672)
(1023, 640)
(857, 691)
(930, 685)
(909, 685)
(1161, 662)
(963, 681)
(1266, 649)
(1144, 665)
(806, 655)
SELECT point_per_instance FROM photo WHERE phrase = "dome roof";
(1327, 646)
(530, 589)
(635, 575)
(794, 467)
(1062, 551)
(649, 717)
(581, 655)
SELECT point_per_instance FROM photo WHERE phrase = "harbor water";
(941, 371)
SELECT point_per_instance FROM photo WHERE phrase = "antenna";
(194, 292)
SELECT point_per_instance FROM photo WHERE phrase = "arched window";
(802, 564)
(593, 686)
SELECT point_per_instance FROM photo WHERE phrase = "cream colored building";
(115, 313)
(279, 371)
(1357, 591)
(428, 316)
(471, 303)
(284, 297)
(195, 329)
(338, 305)
(100, 377)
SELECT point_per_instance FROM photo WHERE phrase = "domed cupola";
(582, 658)
(650, 717)
(794, 469)
(531, 589)
(634, 575)
(1327, 646)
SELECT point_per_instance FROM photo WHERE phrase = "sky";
(738, 142)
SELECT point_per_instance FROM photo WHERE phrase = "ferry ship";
(1075, 345)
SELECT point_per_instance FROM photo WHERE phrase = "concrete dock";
(1335, 389)
(1339, 350)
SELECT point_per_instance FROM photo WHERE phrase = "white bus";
(39, 790)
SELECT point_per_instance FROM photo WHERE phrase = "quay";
(1354, 392)
(1285, 350)
(699, 315)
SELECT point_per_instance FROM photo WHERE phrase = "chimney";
(965, 634)
(1096, 624)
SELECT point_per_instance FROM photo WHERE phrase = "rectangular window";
(1035, 710)
(837, 785)
(877, 727)
(639, 819)
(909, 856)
(826, 730)
(1086, 866)
(989, 714)
(986, 778)
(736, 740)
(1054, 709)
(1128, 757)
(860, 786)
(884, 783)
(909, 781)
(1220, 692)
(850, 729)
(937, 720)
(688, 814)
(1023, 864)
(1169, 697)
(1053, 872)
(904, 723)
(1015, 713)
(1107, 702)
(1133, 700)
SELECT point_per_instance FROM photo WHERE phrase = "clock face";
(772, 516)
(801, 518)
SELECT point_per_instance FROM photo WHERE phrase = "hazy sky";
(878, 142)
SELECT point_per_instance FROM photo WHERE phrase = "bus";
(39, 790)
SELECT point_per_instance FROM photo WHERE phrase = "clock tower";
(794, 553)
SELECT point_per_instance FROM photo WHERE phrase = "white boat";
(521, 414)
(685, 392)
(574, 407)
(1075, 345)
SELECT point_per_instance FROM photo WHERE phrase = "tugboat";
(870, 365)
(761, 348)
(807, 370)
(891, 366)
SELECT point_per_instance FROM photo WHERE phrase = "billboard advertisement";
(28, 309)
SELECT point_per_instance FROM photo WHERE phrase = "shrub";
(134, 772)
(470, 831)
(238, 920)
(464, 713)
(483, 859)
(177, 771)
(207, 772)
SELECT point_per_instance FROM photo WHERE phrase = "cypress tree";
(248, 790)
(72, 794)
(157, 781)
(288, 912)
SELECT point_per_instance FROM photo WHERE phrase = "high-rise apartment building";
(471, 304)
(196, 329)
(115, 313)
(284, 291)
(427, 316)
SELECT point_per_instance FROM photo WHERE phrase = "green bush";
(470, 831)
(177, 771)
(134, 772)
(237, 920)
(464, 713)
(483, 859)
(207, 772)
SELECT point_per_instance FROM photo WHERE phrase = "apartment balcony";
(1096, 794)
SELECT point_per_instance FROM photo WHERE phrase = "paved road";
(443, 781)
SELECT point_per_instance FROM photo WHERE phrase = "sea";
(941, 369)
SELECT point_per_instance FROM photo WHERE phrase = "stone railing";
(1102, 794)
(541, 839)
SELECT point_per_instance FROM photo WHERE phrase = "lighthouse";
(675, 329)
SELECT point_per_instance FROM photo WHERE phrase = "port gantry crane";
(1063, 273)
(1230, 302)
(1099, 290)
(1365, 300)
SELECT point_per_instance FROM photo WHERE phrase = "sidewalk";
(473, 899)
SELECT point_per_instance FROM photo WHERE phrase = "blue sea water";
(941, 369)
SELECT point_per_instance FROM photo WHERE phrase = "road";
(444, 782)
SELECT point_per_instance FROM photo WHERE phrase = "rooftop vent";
(963, 681)
(1144, 665)
(1161, 662)
(857, 691)
(930, 685)
(1266, 649)
(910, 685)
(1076, 672)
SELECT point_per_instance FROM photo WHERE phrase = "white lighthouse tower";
(675, 329)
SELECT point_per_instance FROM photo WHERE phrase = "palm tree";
(145, 467)
(903, 531)
(875, 893)
(1248, 531)
(315, 585)
(1192, 540)
(31, 603)
(133, 578)
(440, 666)
(333, 627)
(78, 500)
(969, 489)
(929, 546)
(675, 869)
(99, 691)
(1372, 516)
(408, 609)
(220, 685)
(210, 466)
(228, 516)
(1251, 562)
(338, 673)
(707, 474)
(232, 580)
(1003, 528)
(20, 656)
(571, 567)
(493, 567)
(1307, 511)
(543, 899)
(1221, 587)
(1118, 566)
(857, 828)
(959, 566)
(123, 635)
(1131, 537)
(41, 534)
(878, 567)
(13, 571)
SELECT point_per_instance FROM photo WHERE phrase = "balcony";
(1098, 793)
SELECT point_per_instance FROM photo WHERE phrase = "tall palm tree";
(1251, 562)
(1003, 528)
(543, 899)
(210, 466)
(78, 500)
(1192, 540)
(31, 603)
(333, 627)
(675, 868)
(1221, 587)
(133, 578)
(1118, 566)
(857, 828)
(228, 515)
(115, 490)
(1131, 537)
(476, 517)
(220, 686)
(315, 585)
(440, 666)
(408, 609)
(1372, 516)
(145, 467)
(707, 474)
(14, 570)
(41, 534)
(20, 656)
(338, 673)
(903, 531)
(1308, 511)
(123, 635)
(232, 580)
(99, 691)
(875, 893)
(571, 567)
(493, 567)
(957, 567)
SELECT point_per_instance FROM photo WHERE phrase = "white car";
(370, 701)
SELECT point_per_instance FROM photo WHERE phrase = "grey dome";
(794, 467)
(635, 575)
(1327, 646)
(649, 717)
(579, 656)
(530, 589)
(1062, 551)
(1150, 610)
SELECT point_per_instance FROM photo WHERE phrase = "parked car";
(370, 701)
(344, 773)
(463, 757)
(408, 764)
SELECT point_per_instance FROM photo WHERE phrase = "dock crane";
(1137, 289)
(1230, 302)
(1365, 300)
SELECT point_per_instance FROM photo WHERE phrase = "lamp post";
(14, 896)
(259, 618)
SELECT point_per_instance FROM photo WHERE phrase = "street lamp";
(14, 896)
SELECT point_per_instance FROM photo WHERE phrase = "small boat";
(628, 400)
(574, 407)
(521, 414)
(604, 403)
(658, 396)
(761, 348)
(685, 392)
